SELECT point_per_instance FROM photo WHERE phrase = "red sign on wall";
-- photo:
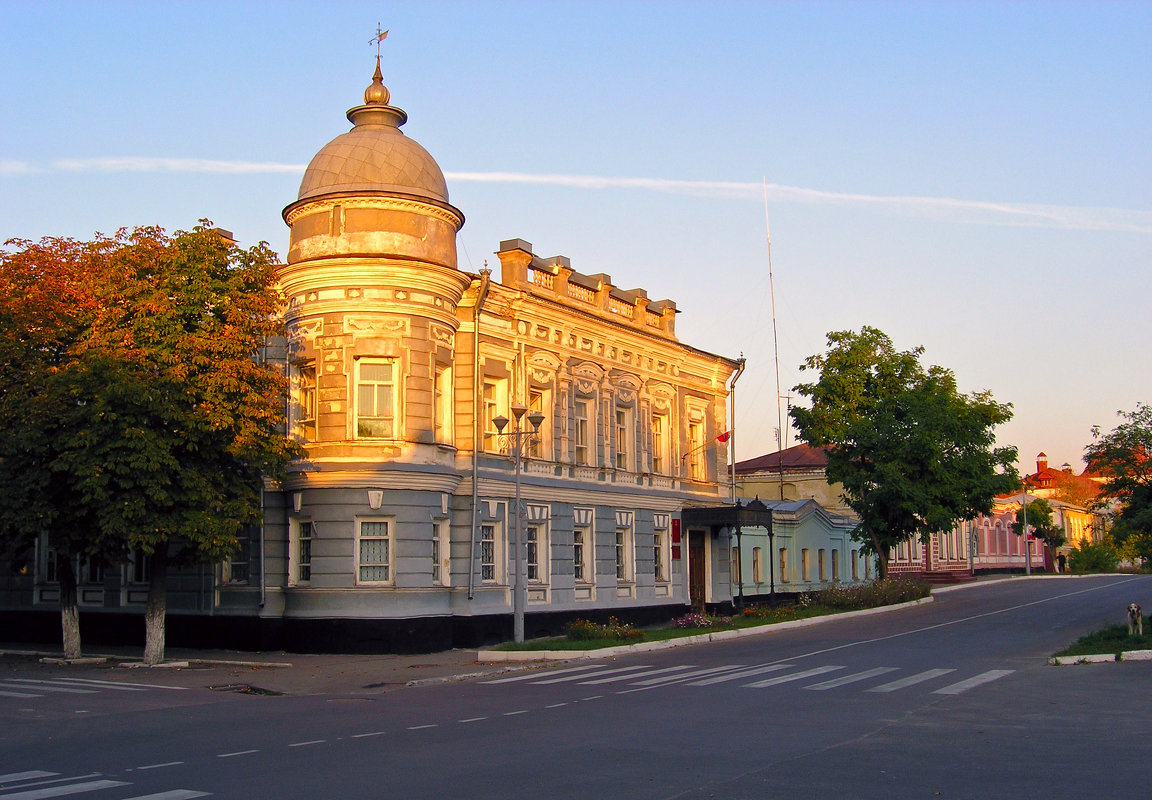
(675, 552)
(675, 531)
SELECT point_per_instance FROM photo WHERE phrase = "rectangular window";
(624, 547)
(835, 565)
(495, 403)
(581, 433)
(855, 556)
(735, 565)
(581, 554)
(784, 576)
(50, 565)
(236, 569)
(660, 555)
(804, 565)
(696, 450)
(659, 443)
(373, 547)
(532, 552)
(488, 573)
(820, 562)
(757, 565)
(442, 405)
(624, 436)
(91, 571)
(441, 564)
(536, 443)
(375, 399)
(306, 402)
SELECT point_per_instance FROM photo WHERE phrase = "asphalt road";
(952, 699)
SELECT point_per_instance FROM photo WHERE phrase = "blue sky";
(972, 177)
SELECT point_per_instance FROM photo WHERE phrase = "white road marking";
(12, 777)
(593, 697)
(165, 764)
(686, 675)
(365, 735)
(531, 675)
(421, 727)
(18, 694)
(308, 743)
(41, 686)
(472, 719)
(237, 753)
(983, 677)
(95, 682)
(593, 675)
(515, 713)
(629, 677)
(61, 791)
(911, 680)
(174, 794)
(744, 673)
(847, 679)
(796, 676)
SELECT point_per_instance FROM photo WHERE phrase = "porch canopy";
(741, 514)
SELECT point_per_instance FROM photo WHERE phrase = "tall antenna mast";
(775, 349)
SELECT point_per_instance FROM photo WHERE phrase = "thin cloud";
(946, 209)
(192, 165)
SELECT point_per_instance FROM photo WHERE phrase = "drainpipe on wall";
(477, 388)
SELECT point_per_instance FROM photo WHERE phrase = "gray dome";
(375, 156)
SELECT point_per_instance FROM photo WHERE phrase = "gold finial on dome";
(377, 93)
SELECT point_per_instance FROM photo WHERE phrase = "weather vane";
(378, 38)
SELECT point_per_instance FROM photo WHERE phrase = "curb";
(47, 657)
(1101, 658)
(504, 656)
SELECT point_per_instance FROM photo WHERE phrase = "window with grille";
(373, 548)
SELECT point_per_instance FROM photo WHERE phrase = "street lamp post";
(1027, 544)
(514, 439)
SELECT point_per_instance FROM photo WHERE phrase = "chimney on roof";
(1041, 462)
(1066, 467)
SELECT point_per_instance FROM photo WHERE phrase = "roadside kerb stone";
(498, 656)
(1101, 658)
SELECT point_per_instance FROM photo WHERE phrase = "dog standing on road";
(1135, 620)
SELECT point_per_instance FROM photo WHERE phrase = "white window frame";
(696, 447)
(540, 443)
(136, 571)
(365, 534)
(362, 419)
(584, 555)
(442, 404)
(495, 403)
(660, 423)
(625, 541)
(583, 431)
(661, 554)
(441, 553)
(301, 535)
(305, 401)
(625, 427)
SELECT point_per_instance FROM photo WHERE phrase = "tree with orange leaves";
(158, 422)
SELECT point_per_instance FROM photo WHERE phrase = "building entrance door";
(697, 570)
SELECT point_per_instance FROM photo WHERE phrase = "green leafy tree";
(1088, 556)
(1040, 523)
(167, 422)
(1123, 457)
(913, 454)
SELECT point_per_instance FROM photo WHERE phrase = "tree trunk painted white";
(69, 608)
(157, 605)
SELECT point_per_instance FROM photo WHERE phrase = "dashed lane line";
(237, 753)
(160, 766)
(308, 743)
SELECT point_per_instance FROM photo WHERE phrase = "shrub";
(583, 630)
(1093, 557)
(871, 595)
(695, 620)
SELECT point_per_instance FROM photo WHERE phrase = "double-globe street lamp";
(514, 440)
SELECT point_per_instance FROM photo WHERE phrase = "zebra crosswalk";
(641, 677)
(39, 687)
(41, 784)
